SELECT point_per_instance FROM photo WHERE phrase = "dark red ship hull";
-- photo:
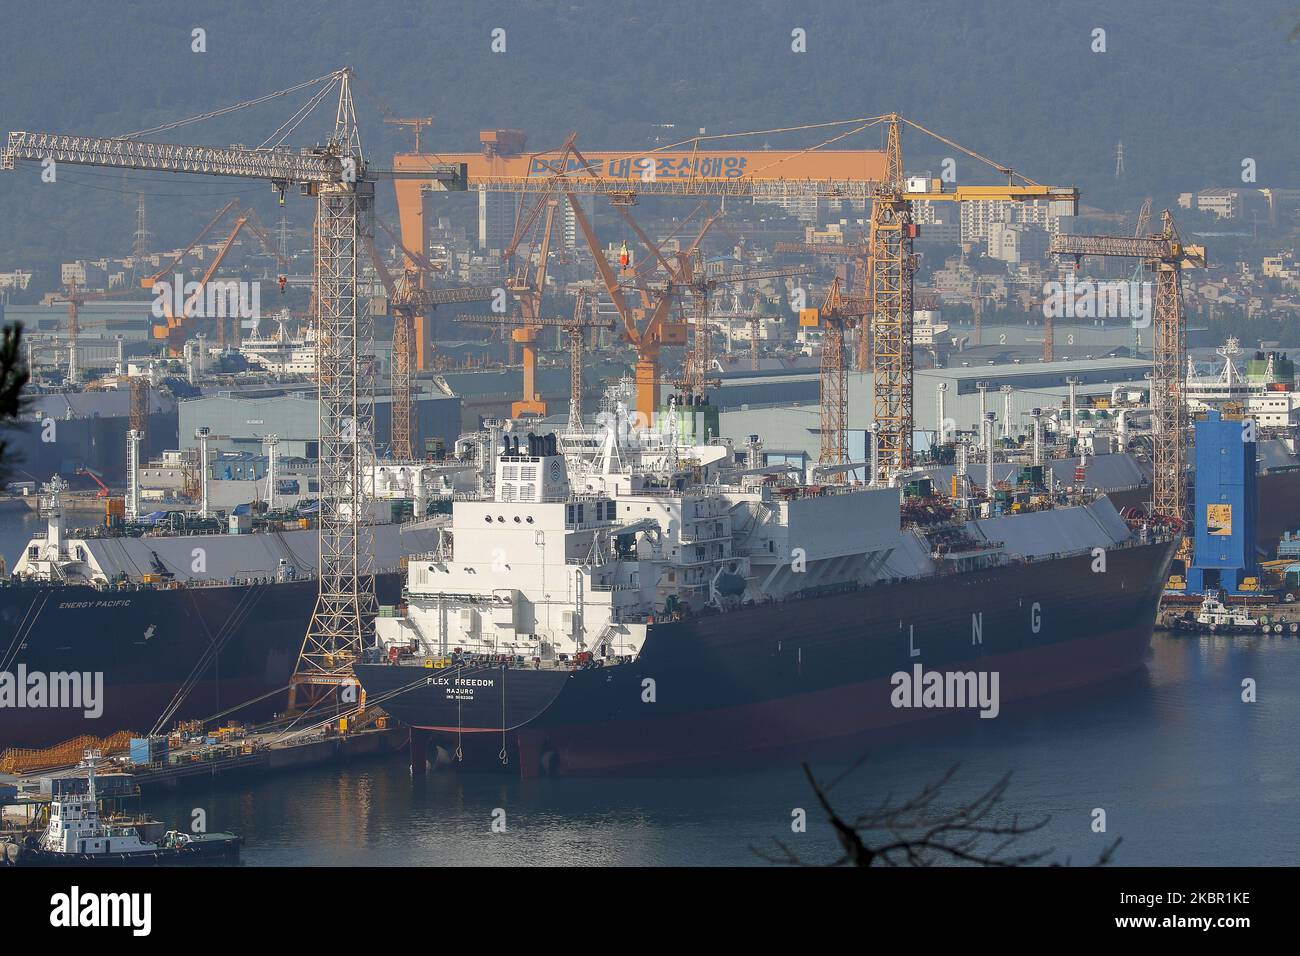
(793, 673)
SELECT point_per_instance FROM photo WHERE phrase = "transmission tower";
(141, 240)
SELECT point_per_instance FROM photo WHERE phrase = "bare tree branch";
(916, 832)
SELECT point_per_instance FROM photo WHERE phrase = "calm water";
(1186, 772)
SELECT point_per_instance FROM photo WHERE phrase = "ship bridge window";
(33, 553)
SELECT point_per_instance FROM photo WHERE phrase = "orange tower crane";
(75, 301)
(528, 286)
(647, 335)
(701, 285)
(410, 298)
(574, 327)
(173, 330)
(859, 254)
(892, 266)
(838, 312)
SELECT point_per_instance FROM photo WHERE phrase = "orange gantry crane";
(1166, 255)
(693, 168)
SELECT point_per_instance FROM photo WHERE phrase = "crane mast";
(1166, 256)
(892, 232)
(336, 174)
(837, 312)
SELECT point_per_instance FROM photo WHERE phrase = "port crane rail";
(339, 177)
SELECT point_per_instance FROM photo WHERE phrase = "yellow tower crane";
(1166, 255)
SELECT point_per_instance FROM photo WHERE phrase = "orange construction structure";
(503, 165)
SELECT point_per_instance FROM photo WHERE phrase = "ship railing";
(701, 539)
(680, 562)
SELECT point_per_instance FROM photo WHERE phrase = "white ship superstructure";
(1268, 397)
(281, 353)
(578, 542)
(56, 555)
(575, 553)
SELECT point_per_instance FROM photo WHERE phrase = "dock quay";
(24, 796)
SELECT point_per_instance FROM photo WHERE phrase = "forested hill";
(1191, 88)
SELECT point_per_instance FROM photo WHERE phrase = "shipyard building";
(241, 422)
(785, 412)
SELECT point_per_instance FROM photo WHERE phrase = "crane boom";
(278, 165)
(1147, 247)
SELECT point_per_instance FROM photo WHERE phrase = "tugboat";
(1217, 617)
(75, 836)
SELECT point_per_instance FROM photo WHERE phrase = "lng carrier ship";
(621, 600)
(177, 625)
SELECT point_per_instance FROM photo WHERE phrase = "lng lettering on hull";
(754, 684)
(619, 607)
